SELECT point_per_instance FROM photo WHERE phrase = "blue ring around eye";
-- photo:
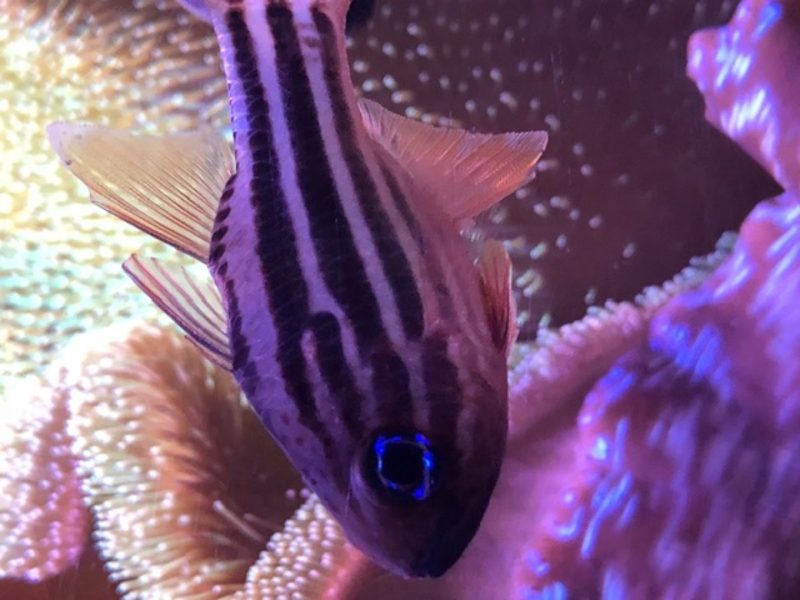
(423, 489)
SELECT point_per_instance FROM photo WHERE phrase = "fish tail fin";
(338, 8)
(205, 9)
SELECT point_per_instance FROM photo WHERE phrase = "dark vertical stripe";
(402, 206)
(391, 387)
(432, 261)
(277, 251)
(442, 390)
(240, 349)
(217, 246)
(340, 263)
(453, 527)
(336, 372)
(393, 260)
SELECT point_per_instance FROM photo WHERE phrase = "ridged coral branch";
(185, 484)
(563, 364)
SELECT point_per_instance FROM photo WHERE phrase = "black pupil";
(402, 465)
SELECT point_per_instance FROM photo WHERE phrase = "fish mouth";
(433, 568)
(451, 536)
(443, 553)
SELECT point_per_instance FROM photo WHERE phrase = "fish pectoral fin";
(494, 268)
(194, 305)
(468, 172)
(168, 186)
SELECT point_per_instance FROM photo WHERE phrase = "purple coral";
(687, 477)
(749, 73)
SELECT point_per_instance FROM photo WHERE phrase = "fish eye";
(402, 466)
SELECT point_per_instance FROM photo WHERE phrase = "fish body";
(352, 314)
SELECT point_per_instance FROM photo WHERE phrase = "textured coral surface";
(37, 473)
(137, 432)
(686, 478)
(748, 74)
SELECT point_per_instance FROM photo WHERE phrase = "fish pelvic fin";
(192, 302)
(494, 269)
(466, 173)
(167, 186)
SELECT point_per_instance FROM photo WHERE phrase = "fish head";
(421, 477)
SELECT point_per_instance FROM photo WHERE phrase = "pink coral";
(748, 73)
(687, 477)
(43, 523)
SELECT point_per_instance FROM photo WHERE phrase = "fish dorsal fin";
(168, 186)
(194, 305)
(494, 268)
(469, 172)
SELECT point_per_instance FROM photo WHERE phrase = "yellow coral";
(185, 484)
(310, 558)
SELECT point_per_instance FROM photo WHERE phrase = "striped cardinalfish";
(343, 296)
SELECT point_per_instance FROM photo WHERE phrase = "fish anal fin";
(494, 268)
(195, 306)
(167, 186)
(466, 172)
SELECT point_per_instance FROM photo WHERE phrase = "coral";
(747, 72)
(185, 487)
(686, 478)
(86, 579)
(184, 483)
(43, 523)
(687, 475)
(309, 558)
(563, 362)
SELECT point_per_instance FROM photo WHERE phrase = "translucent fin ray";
(494, 267)
(195, 306)
(168, 186)
(467, 172)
